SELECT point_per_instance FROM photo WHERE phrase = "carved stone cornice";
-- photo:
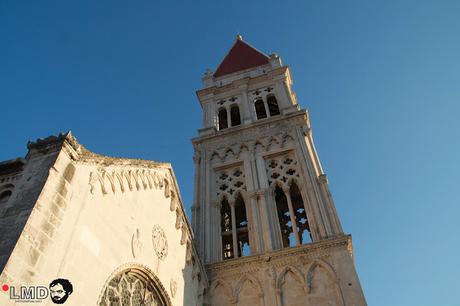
(284, 123)
(281, 257)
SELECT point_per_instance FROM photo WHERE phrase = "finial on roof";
(239, 37)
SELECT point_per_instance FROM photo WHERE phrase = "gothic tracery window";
(233, 217)
(241, 227)
(300, 214)
(283, 176)
(226, 229)
(133, 287)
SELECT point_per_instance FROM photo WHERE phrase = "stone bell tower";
(265, 222)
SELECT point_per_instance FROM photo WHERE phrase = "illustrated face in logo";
(60, 289)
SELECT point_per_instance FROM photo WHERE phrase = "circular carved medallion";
(160, 243)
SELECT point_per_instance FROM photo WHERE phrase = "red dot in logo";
(5, 287)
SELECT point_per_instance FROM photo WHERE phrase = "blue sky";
(380, 80)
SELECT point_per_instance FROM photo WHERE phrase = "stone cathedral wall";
(318, 274)
(103, 222)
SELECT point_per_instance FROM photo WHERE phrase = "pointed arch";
(226, 229)
(319, 263)
(286, 139)
(229, 152)
(272, 141)
(215, 155)
(258, 145)
(242, 225)
(248, 278)
(219, 283)
(281, 277)
(330, 272)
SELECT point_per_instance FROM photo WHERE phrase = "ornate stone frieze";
(122, 180)
(288, 256)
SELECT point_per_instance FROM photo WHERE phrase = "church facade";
(264, 227)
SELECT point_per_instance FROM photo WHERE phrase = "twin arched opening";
(268, 108)
(229, 118)
(292, 217)
(234, 228)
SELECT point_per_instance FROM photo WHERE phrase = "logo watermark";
(58, 290)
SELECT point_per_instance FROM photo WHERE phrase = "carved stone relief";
(230, 183)
(113, 181)
(173, 287)
(136, 244)
(281, 170)
(160, 242)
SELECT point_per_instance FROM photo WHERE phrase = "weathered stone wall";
(315, 274)
(96, 217)
(26, 186)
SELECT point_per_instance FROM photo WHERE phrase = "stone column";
(292, 215)
(235, 240)
(246, 107)
(229, 118)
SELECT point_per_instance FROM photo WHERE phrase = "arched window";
(300, 214)
(260, 108)
(241, 227)
(134, 286)
(284, 218)
(223, 124)
(5, 195)
(235, 115)
(273, 106)
(226, 229)
(297, 224)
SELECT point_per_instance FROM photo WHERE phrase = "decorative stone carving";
(136, 244)
(173, 287)
(160, 242)
(282, 169)
(134, 179)
(133, 287)
(230, 182)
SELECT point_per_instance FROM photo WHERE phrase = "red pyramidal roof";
(241, 56)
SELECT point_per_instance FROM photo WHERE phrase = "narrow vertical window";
(284, 218)
(226, 229)
(223, 124)
(235, 115)
(242, 227)
(273, 106)
(300, 214)
(260, 108)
